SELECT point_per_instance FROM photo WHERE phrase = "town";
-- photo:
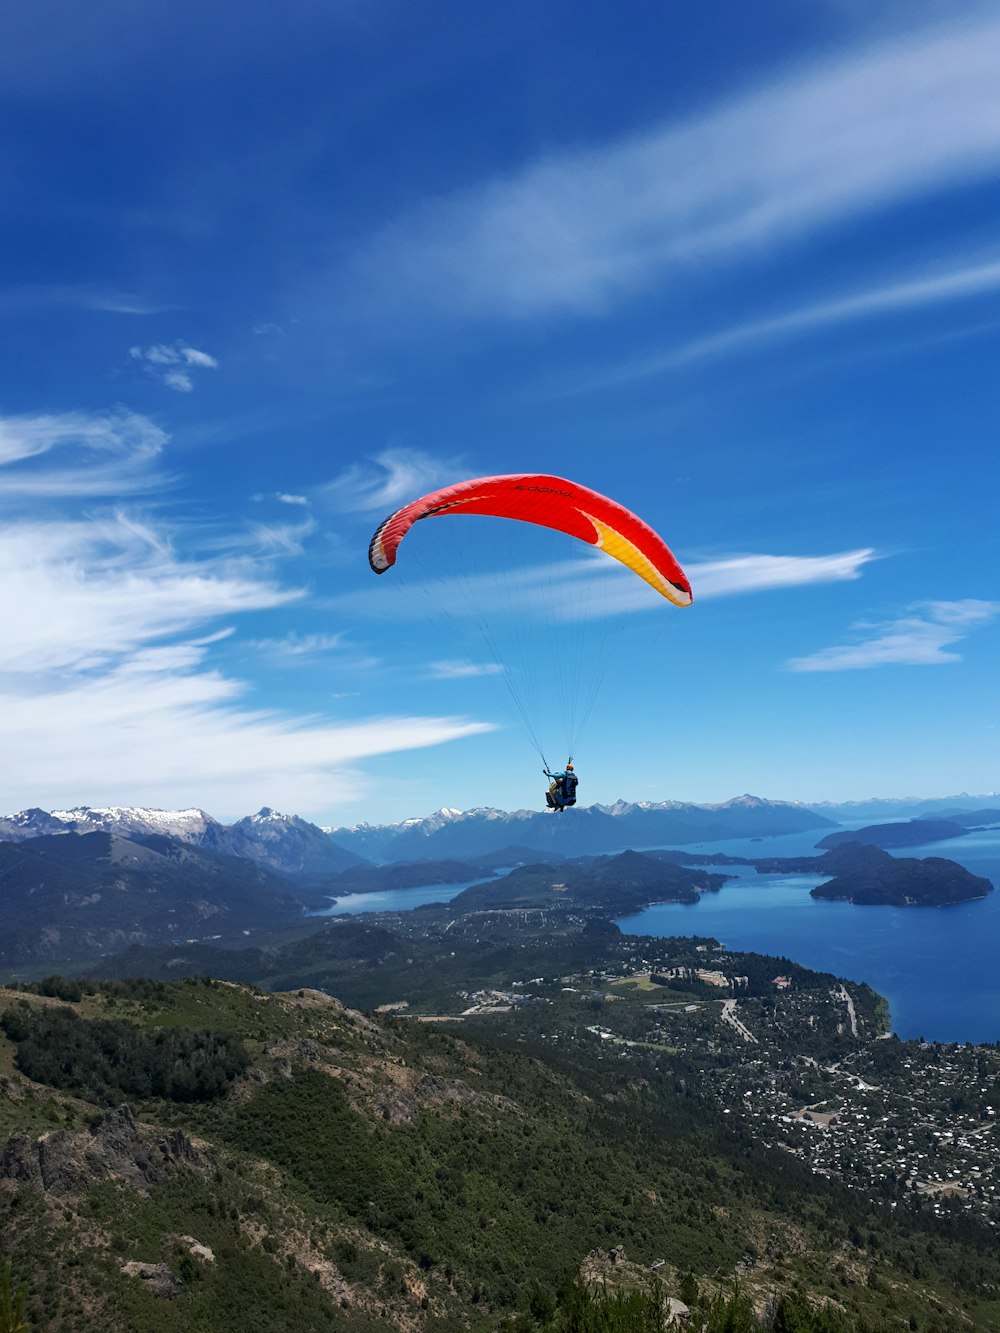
(807, 1063)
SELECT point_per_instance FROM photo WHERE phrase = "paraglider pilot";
(562, 789)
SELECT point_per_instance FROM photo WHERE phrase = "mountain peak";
(283, 843)
(267, 814)
(465, 835)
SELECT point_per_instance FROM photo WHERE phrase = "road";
(844, 994)
(729, 1016)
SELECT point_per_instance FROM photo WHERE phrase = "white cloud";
(171, 363)
(394, 477)
(110, 685)
(592, 586)
(80, 593)
(921, 639)
(282, 497)
(173, 354)
(297, 647)
(119, 432)
(910, 294)
(123, 303)
(107, 453)
(760, 573)
(582, 230)
(282, 538)
(195, 358)
(619, 590)
(15, 300)
(163, 730)
(156, 356)
(456, 670)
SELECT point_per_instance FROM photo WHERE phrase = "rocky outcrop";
(398, 1105)
(64, 1163)
(611, 1270)
(157, 1279)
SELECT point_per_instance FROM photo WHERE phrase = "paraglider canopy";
(551, 634)
(550, 502)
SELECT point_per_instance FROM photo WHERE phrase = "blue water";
(395, 900)
(937, 966)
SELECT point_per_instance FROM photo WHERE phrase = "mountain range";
(587, 830)
(291, 846)
(82, 883)
(909, 807)
(302, 851)
(72, 896)
(285, 844)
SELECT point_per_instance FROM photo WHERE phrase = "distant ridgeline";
(285, 844)
(915, 832)
(109, 884)
(70, 897)
(594, 829)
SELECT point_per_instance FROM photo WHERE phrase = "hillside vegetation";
(341, 1170)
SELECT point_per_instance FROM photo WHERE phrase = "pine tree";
(12, 1318)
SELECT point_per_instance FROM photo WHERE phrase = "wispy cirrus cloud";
(895, 297)
(89, 592)
(112, 689)
(295, 648)
(119, 432)
(924, 638)
(580, 231)
(619, 590)
(108, 453)
(104, 300)
(393, 477)
(164, 729)
(280, 538)
(173, 363)
(593, 586)
(282, 497)
(761, 573)
(459, 670)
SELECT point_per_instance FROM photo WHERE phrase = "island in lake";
(869, 876)
(859, 873)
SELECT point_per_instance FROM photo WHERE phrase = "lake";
(937, 966)
(394, 900)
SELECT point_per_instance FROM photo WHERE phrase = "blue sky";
(267, 274)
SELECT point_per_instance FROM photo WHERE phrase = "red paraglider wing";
(550, 502)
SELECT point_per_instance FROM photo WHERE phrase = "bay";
(937, 966)
(394, 900)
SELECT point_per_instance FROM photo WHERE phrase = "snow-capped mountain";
(190, 826)
(283, 843)
(300, 850)
(33, 823)
(290, 845)
(595, 829)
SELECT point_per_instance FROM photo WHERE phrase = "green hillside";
(333, 1169)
